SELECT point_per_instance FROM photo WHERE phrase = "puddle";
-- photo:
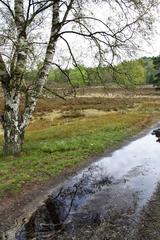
(115, 186)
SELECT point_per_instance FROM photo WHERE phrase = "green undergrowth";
(52, 151)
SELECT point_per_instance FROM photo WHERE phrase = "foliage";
(149, 70)
(130, 73)
(99, 76)
(156, 62)
(126, 73)
(78, 76)
(58, 76)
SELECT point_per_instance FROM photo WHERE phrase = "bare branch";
(54, 93)
(8, 7)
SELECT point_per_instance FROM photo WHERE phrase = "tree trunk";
(13, 125)
(13, 141)
(13, 135)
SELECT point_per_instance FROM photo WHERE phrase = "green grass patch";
(49, 152)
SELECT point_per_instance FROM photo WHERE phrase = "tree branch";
(54, 93)
(8, 7)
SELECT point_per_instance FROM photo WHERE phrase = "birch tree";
(19, 44)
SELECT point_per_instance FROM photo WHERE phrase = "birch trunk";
(13, 136)
(13, 141)
(13, 125)
(33, 94)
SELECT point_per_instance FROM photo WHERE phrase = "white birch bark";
(13, 135)
(33, 94)
(13, 123)
(12, 132)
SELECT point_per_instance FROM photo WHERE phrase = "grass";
(50, 151)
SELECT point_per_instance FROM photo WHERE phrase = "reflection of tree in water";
(156, 132)
(53, 215)
(74, 211)
(68, 215)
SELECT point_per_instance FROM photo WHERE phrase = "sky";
(152, 46)
(148, 45)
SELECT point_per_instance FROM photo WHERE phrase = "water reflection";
(55, 214)
(156, 132)
(113, 186)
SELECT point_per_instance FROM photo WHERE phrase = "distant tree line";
(152, 70)
(128, 73)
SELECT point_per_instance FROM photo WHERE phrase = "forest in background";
(128, 73)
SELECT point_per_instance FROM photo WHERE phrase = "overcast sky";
(82, 50)
(152, 47)
(148, 46)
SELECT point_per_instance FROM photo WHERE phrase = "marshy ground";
(65, 136)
